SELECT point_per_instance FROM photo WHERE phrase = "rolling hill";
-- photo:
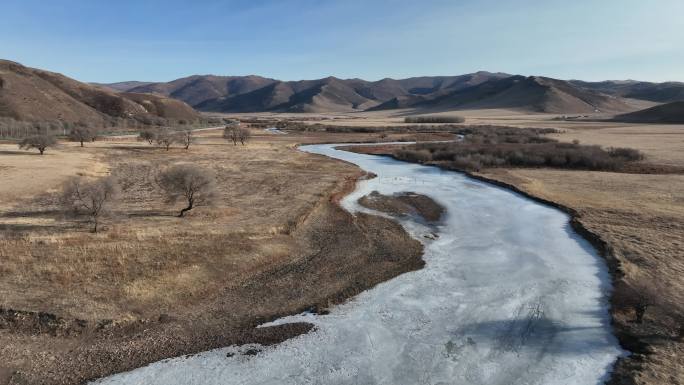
(254, 93)
(33, 95)
(664, 113)
(535, 94)
(480, 90)
(655, 92)
(28, 94)
(122, 86)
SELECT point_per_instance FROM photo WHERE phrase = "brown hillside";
(33, 95)
(665, 113)
(254, 94)
(163, 107)
(197, 89)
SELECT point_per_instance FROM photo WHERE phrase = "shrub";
(166, 138)
(491, 146)
(236, 134)
(434, 119)
(148, 135)
(39, 142)
(418, 156)
(91, 199)
(629, 154)
(83, 134)
(189, 183)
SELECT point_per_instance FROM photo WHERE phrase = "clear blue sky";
(107, 41)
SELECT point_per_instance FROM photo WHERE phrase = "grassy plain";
(77, 305)
(225, 268)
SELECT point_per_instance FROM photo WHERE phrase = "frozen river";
(509, 295)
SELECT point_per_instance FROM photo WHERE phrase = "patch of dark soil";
(32, 323)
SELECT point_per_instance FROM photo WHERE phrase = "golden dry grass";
(264, 249)
(147, 260)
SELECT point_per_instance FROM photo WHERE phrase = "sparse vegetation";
(166, 138)
(83, 134)
(186, 138)
(515, 147)
(434, 119)
(90, 199)
(39, 142)
(149, 136)
(236, 134)
(192, 184)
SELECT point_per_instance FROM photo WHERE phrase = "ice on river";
(509, 295)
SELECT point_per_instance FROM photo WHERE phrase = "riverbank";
(507, 295)
(636, 221)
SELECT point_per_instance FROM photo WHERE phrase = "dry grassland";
(74, 304)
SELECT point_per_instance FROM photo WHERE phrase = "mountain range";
(480, 90)
(34, 95)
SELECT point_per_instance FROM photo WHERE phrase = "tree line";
(164, 138)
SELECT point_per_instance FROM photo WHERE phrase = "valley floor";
(77, 306)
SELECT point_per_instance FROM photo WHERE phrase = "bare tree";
(39, 142)
(91, 199)
(190, 183)
(83, 134)
(186, 138)
(166, 138)
(236, 134)
(148, 135)
(230, 133)
(243, 135)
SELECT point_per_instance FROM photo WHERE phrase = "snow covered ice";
(509, 295)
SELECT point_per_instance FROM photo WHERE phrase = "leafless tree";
(229, 133)
(83, 134)
(244, 135)
(39, 142)
(189, 183)
(91, 199)
(148, 135)
(166, 138)
(236, 134)
(186, 137)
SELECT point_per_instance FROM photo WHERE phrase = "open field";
(77, 305)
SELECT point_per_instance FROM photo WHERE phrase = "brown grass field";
(74, 304)
(268, 246)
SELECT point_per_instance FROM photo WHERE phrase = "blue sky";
(107, 41)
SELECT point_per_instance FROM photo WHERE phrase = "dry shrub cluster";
(517, 147)
(434, 119)
(318, 127)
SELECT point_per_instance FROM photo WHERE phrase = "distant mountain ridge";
(534, 93)
(481, 90)
(34, 95)
(255, 94)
